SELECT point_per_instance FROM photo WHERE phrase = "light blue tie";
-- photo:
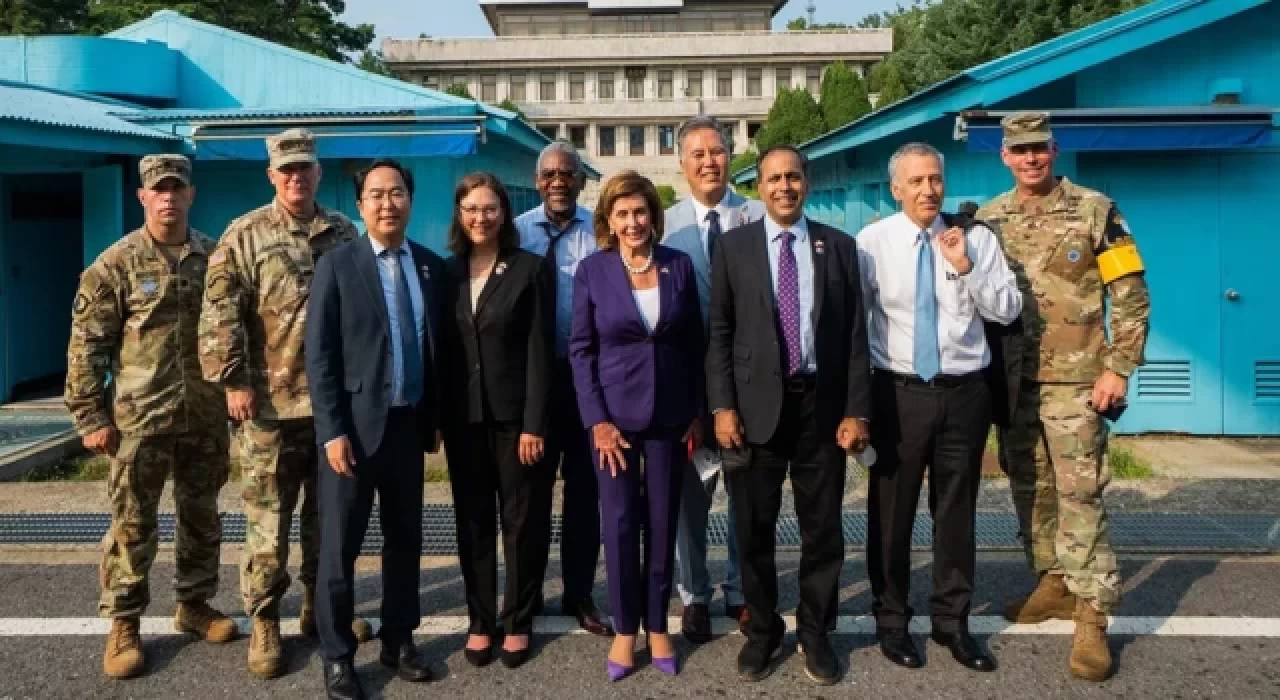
(410, 352)
(926, 359)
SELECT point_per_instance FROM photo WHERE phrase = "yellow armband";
(1118, 262)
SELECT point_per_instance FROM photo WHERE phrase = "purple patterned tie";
(789, 304)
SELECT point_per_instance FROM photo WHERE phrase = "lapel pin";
(819, 247)
(426, 272)
(665, 270)
(501, 268)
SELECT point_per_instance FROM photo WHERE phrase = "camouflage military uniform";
(135, 318)
(1055, 448)
(251, 334)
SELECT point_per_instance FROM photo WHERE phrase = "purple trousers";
(644, 499)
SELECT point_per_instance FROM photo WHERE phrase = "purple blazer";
(621, 372)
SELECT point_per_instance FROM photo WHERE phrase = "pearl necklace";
(648, 263)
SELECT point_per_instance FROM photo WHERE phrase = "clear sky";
(409, 18)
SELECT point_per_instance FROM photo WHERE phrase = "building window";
(724, 21)
(634, 24)
(608, 140)
(753, 128)
(813, 79)
(547, 87)
(666, 140)
(546, 26)
(489, 88)
(635, 136)
(755, 80)
(517, 91)
(577, 24)
(635, 83)
(578, 136)
(516, 25)
(666, 87)
(461, 80)
(604, 86)
(551, 131)
(577, 86)
(782, 79)
(608, 25)
(694, 88)
(724, 83)
(697, 22)
(432, 82)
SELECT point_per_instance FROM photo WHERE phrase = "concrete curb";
(40, 453)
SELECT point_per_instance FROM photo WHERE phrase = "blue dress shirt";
(385, 275)
(577, 243)
(804, 269)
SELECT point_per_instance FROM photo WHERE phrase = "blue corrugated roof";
(22, 102)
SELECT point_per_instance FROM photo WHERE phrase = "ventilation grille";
(1168, 381)
(1266, 380)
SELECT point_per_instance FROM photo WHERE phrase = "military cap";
(155, 169)
(1026, 127)
(292, 146)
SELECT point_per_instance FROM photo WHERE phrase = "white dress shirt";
(888, 251)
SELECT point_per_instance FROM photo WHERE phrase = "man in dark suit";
(370, 353)
(788, 381)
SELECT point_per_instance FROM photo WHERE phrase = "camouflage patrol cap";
(158, 168)
(292, 146)
(1026, 127)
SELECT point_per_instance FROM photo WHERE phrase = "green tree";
(794, 118)
(844, 96)
(510, 106)
(666, 195)
(799, 24)
(459, 90)
(744, 160)
(372, 61)
(891, 88)
(32, 17)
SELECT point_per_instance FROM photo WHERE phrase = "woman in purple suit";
(636, 351)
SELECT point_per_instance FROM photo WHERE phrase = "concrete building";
(617, 77)
(77, 112)
(1173, 110)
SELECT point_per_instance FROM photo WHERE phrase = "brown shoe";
(1049, 601)
(205, 622)
(1090, 656)
(123, 657)
(307, 617)
(361, 628)
(264, 648)
(739, 614)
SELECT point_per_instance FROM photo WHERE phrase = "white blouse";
(649, 301)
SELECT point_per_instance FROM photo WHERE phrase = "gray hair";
(698, 123)
(914, 148)
(561, 146)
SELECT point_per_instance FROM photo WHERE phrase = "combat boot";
(205, 622)
(360, 627)
(1049, 601)
(264, 647)
(1090, 656)
(123, 657)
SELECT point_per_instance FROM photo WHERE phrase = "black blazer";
(348, 346)
(744, 365)
(498, 359)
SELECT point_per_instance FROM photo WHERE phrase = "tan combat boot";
(1090, 656)
(264, 647)
(1049, 601)
(123, 657)
(205, 622)
(360, 627)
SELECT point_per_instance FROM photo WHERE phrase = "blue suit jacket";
(348, 350)
(622, 373)
(685, 235)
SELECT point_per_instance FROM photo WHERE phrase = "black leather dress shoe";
(407, 662)
(966, 650)
(340, 681)
(755, 661)
(590, 618)
(820, 663)
(739, 615)
(896, 645)
(695, 623)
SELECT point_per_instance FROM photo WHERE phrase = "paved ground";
(1231, 658)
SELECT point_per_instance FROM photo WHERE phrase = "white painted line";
(441, 625)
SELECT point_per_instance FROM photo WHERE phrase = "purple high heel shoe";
(669, 665)
(617, 671)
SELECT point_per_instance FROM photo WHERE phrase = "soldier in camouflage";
(134, 321)
(251, 333)
(1071, 251)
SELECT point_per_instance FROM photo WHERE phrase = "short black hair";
(804, 160)
(392, 163)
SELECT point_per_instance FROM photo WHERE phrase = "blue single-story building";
(1173, 110)
(77, 112)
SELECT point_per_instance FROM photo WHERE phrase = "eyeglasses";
(486, 212)
(396, 194)
(550, 174)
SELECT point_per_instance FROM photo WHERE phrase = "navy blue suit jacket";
(348, 346)
(623, 373)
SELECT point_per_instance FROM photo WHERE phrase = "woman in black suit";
(497, 371)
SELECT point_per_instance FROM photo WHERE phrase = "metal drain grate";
(1133, 532)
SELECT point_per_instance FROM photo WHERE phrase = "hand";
(242, 405)
(694, 433)
(728, 429)
(609, 441)
(103, 441)
(853, 434)
(341, 457)
(952, 246)
(1109, 388)
(530, 449)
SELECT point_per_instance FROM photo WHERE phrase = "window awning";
(404, 137)
(1134, 129)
